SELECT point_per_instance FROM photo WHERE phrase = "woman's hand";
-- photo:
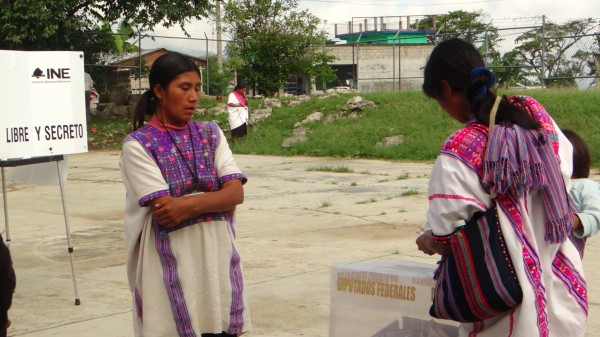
(429, 246)
(170, 211)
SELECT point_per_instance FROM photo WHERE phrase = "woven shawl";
(520, 161)
(240, 98)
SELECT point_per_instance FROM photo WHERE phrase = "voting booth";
(385, 299)
(43, 117)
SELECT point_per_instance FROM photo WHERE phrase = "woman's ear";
(446, 91)
(158, 91)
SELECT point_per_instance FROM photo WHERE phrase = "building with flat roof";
(387, 29)
(385, 53)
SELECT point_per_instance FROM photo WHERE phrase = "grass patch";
(336, 169)
(410, 192)
(325, 204)
(107, 134)
(368, 201)
(419, 119)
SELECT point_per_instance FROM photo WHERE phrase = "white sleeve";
(455, 194)
(141, 174)
(232, 99)
(589, 200)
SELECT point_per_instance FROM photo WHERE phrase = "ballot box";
(385, 299)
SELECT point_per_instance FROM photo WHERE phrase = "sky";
(501, 13)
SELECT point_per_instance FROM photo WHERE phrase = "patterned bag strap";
(491, 127)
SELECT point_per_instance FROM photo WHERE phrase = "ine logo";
(37, 73)
(60, 73)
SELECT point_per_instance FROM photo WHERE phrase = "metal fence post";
(542, 71)
(394, 61)
(207, 65)
(140, 65)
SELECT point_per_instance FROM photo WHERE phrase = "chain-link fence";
(527, 56)
(120, 74)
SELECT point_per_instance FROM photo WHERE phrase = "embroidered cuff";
(229, 177)
(143, 202)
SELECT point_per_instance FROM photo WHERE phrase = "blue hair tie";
(485, 87)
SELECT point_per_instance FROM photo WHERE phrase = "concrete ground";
(295, 224)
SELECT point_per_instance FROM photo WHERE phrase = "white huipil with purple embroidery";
(187, 280)
(551, 275)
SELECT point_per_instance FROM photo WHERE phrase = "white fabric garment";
(455, 193)
(586, 195)
(203, 254)
(88, 82)
(237, 115)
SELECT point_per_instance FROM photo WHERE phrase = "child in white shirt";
(584, 192)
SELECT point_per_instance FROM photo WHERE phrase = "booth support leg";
(64, 203)
(7, 238)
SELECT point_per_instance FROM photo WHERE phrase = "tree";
(123, 32)
(218, 80)
(272, 39)
(76, 24)
(509, 70)
(470, 26)
(552, 52)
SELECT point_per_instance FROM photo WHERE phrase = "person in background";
(237, 106)
(584, 192)
(532, 200)
(7, 286)
(182, 186)
(88, 85)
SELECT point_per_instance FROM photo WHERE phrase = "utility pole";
(219, 31)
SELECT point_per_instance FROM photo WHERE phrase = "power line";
(371, 3)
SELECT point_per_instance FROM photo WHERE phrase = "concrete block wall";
(384, 67)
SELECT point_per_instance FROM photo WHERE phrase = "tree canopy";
(552, 52)
(470, 26)
(78, 24)
(272, 40)
(549, 54)
(215, 80)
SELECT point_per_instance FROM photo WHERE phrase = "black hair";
(164, 69)
(581, 155)
(239, 86)
(452, 61)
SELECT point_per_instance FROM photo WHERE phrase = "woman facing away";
(182, 187)
(533, 206)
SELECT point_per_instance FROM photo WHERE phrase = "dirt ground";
(295, 224)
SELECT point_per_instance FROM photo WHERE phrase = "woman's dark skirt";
(240, 131)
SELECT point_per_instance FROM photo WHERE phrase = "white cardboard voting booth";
(42, 105)
(42, 117)
(384, 299)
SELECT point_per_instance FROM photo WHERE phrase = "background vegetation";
(419, 119)
(274, 39)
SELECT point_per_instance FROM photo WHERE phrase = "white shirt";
(237, 115)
